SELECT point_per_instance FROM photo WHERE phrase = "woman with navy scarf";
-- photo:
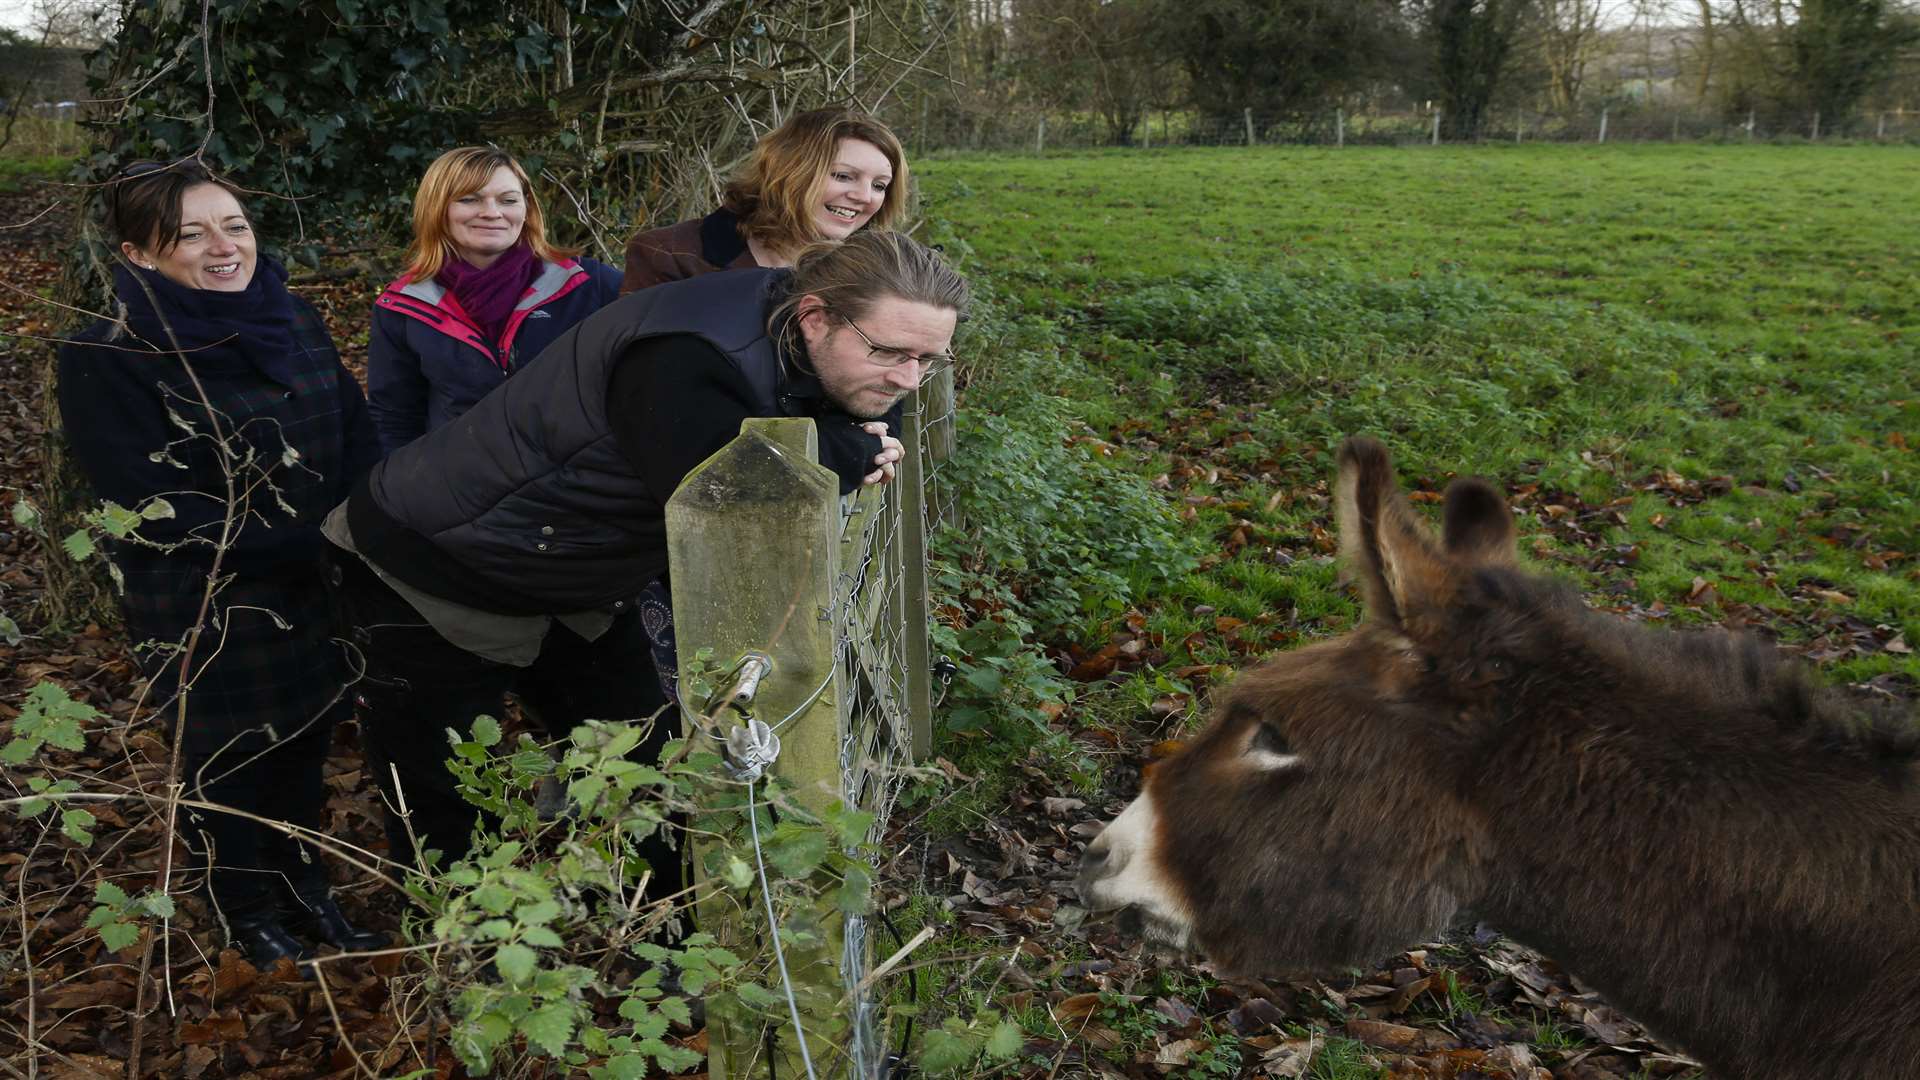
(484, 292)
(221, 395)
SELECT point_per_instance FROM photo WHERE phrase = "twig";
(339, 1026)
(925, 935)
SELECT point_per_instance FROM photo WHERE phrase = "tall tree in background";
(1099, 55)
(1470, 42)
(1278, 57)
(1568, 35)
(1838, 50)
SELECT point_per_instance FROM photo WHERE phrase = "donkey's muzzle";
(1096, 863)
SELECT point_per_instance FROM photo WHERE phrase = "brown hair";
(773, 194)
(849, 275)
(457, 173)
(143, 201)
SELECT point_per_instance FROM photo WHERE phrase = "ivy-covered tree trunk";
(1471, 41)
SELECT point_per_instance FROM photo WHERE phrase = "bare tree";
(1569, 35)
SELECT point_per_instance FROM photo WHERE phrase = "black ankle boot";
(264, 940)
(315, 913)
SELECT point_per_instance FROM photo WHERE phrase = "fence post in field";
(1881, 131)
(1146, 132)
(1339, 127)
(916, 647)
(1603, 125)
(752, 538)
(1040, 136)
(1749, 125)
(1247, 115)
(1519, 126)
(1436, 127)
(1816, 124)
(1676, 127)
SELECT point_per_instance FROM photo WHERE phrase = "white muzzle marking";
(1120, 871)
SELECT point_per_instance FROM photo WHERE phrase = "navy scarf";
(218, 331)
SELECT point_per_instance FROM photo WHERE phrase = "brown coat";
(684, 250)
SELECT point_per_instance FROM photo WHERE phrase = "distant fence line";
(1039, 132)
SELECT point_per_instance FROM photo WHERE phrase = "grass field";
(1701, 356)
(1693, 369)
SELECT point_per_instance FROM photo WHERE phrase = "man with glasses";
(511, 544)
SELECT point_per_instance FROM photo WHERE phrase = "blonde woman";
(822, 175)
(484, 292)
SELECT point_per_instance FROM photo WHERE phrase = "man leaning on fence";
(511, 543)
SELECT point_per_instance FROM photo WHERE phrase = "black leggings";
(418, 685)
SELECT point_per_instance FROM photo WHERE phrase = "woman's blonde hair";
(458, 173)
(774, 194)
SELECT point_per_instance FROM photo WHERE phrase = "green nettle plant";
(547, 940)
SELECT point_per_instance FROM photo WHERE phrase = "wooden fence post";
(752, 534)
(1881, 131)
(916, 647)
(1603, 125)
(1247, 115)
(1436, 127)
(1816, 125)
(1749, 125)
(1339, 127)
(1040, 136)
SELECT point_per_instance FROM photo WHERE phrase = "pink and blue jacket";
(427, 362)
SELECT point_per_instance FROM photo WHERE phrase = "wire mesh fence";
(884, 656)
(1039, 131)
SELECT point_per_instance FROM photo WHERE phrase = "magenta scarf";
(488, 296)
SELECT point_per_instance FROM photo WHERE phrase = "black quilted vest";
(529, 491)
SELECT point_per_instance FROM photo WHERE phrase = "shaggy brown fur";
(1730, 854)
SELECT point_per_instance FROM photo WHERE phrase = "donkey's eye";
(1269, 749)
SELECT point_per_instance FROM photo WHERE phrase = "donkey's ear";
(1478, 526)
(1385, 544)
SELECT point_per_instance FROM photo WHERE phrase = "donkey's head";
(1322, 819)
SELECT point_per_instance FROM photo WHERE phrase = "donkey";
(1729, 854)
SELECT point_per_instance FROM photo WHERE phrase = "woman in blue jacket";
(484, 292)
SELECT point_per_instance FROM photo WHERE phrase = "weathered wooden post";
(1436, 127)
(1339, 127)
(1603, 125)
(1749, 125)
(1247, 115)
(752, 534)
(916, 649)
(1040, 136)
(1816, 125)
(1880, 132)
(935, 402)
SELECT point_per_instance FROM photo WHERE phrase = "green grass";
(1704, 357)
(1576, 318)
(16, 173)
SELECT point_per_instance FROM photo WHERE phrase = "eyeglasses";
(142, 168)
(889, 356)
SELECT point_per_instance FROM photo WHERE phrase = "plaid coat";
(293, 445)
